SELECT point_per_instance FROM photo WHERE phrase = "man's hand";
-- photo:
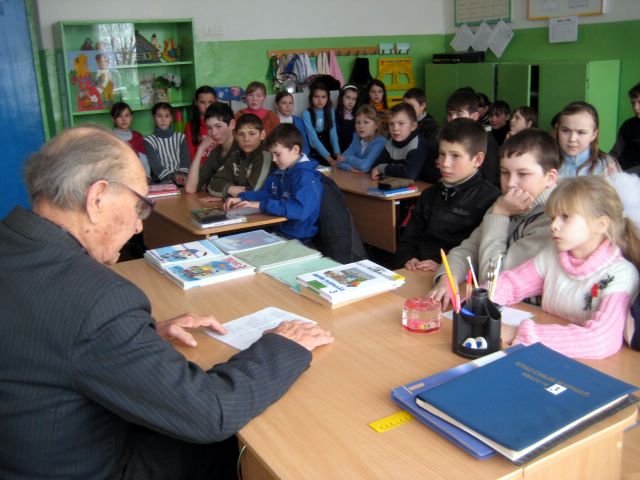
(176, 328)
(309, 335)
(515, 202)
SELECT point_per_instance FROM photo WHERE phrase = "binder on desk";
(526, 402)
(405, 397)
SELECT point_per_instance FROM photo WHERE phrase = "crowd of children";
(549, 204)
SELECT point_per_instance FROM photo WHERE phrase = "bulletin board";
(544, 9)
(472, 12)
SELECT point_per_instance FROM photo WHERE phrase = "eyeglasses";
(145, 205)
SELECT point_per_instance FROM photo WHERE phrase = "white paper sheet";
(463, 39)
(563, 29)
(502, 35)
(244, 331)
(510, 316)
(482, 37)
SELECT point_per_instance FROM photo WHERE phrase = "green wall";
(239, 62)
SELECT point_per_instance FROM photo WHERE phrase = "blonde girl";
(366, 145)
(583, 276)
(577, 133)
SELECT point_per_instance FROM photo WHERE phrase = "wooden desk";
(375, 217)
(170, 223)
(319, 429)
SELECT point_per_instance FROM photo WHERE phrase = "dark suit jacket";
(81, 361)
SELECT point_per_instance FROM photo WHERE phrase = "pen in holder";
(476, 328)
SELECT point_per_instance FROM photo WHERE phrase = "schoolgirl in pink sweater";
(583, 277)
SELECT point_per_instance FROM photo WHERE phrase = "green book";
(289, 272)
(277, 254)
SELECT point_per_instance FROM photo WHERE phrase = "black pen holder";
(479, 317)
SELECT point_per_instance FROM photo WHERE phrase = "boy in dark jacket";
(448, 212)
(248, 167)
(293, 191)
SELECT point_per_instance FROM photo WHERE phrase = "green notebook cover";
(278, 254)
(289, 272)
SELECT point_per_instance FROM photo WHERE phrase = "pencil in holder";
(479, 320)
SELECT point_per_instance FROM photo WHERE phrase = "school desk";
(319, 428)
(375, 217)
(170, 223)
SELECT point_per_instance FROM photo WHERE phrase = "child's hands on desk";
(232, 203)
(309, 335)
(208, 200)
(235, 190)
(375, 173)
(176, 328)
(423, 265)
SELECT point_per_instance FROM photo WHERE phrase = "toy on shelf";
(145, 51)
(170, 52)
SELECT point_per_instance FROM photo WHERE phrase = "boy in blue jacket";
(293, 191)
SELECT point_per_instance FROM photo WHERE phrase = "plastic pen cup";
(421, 315)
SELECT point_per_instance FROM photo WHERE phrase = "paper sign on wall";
(563, 29)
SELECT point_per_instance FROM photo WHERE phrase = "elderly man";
(88, 386)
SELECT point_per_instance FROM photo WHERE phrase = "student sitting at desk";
(463, 103)
(255, 96)
(220, 124)
(627, 146)
(515, 226)
(366, 144)
(293, 191)
(584, 276)
(404, 154)
(448, 212)
(248, 167)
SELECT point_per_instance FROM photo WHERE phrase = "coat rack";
(313, 52)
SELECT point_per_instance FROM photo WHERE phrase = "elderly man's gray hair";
(67, 165)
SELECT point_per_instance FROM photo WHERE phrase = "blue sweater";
(359, 158)
(295, 193)
(313, 130)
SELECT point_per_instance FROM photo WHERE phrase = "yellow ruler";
(392, 421)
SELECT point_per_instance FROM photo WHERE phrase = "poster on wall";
(544, 9)
(91, 79)
(472, 12)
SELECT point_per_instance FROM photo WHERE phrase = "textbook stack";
(264, 250)
(215, 217)
(377, 192)
(163, 190)
(196, 264)
(525, 401)
(339, 286)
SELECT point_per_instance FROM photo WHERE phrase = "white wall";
(261, 19)
(615, 11)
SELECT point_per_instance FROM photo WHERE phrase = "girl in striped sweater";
(583, 277)
(167, 150)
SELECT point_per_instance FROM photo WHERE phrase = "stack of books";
(264, 250)
(518, 403)
(196, 264)
(348, 283)
(376, 192)
(215, 217)
(163, 190)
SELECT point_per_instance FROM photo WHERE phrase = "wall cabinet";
(546, 86)
(139, 62)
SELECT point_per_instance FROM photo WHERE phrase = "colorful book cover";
(163, 190)
(182, 253)
(351, 281)
(206, 273)
(246, 241)
(524, 400)
(277, 254)
(405, 397)
(391, 193)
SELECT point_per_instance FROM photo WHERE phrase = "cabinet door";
(514, 85)
(560, 84)
(440, 82)
(603, 80)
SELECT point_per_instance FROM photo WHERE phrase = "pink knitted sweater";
(593, 294)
